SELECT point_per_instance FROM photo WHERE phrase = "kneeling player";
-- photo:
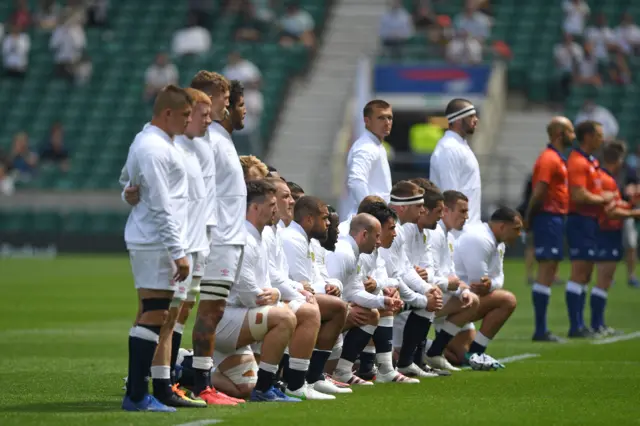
(478, 261)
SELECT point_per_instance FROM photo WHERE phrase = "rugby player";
(478, 258)
(156, 240)
(253, 168)
(586, 200)
(546, 214)
(296, 191)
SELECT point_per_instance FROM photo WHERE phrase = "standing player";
(546, 214)
(586, 200)
(227, 243)
(610, 238)
(155, 239)
(368, 171)
(454, 166)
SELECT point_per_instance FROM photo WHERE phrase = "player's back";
(551, 168)
(609, 184)
(583, 172)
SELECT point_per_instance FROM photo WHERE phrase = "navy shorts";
(582, 237)
(548, 236)
(610, 246)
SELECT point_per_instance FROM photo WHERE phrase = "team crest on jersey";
(451, 247)
(501, 253)
(424, 238)
(312, 256)
(358, 269)
(224, 272)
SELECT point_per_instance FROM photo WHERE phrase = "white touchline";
(615, 339)
(201, 422)
(517, 358)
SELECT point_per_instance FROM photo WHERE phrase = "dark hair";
(236, 91)
(424, 183)
(378, 210)
(295, 188)
(406, 188)
(331, 209)
(432, 197)
(456, 105)
(307, 206)
(586, 128)
(451, 198)
(257, 191)
(376, 103)
(613, 151)
(505, 214)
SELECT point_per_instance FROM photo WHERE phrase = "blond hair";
(198, 96)
(249, 161)
(210, 82)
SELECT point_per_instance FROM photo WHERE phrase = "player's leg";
(355, 340)
(236, 375)
(152, 273)
(581, 236)
(414, 333)
(367, 368)
(383, 339)
(529, 258)
(630, 235)
(454, 317)
(610, 247)
(459, 346)
(295, 365)
(221, 270)
(494, 311)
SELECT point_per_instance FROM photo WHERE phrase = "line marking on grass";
(201, 422)
(615, 339)
(517, 358)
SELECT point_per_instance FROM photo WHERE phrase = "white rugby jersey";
(231, 190)
(254, 271)
(300, 257)
(159, 220)
(368, 173)
(204, 149)
(342, 264)
(197, 241)
(478, 254)
(454, 166)
(278, 266)
(441, 244)
(345, 226)
(417, 247)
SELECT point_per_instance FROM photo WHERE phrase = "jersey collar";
(373, 137)
(608, 172)
(561, 155)
(299, 229)
(253, 230)
(457, 137)
(591, 158)
(219, 128)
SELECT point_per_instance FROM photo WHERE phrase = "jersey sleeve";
(577, 173)
(248, 287)
(545, 170)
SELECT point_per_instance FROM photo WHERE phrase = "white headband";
(464, 112)
(406, 201)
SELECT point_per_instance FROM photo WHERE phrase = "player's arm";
(279, 273)
(296, 251)
(248, 287)
(154, 170)
(436, 246)
(358, 173)
(474, 254)
(578, 187)
(445, 171)
(399, 267)
(538, 195)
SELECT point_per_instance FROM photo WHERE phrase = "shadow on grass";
(65, 407)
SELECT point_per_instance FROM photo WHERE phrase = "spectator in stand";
(21, 15)
(54, 150)
(297, 25)
(159, 74)
(587, 70)
(464, 49)
(193, 39)
(6, 180)
(423, 16)
(633, 160)
(97, 12)
(475, 23)
(202, 10)
(68, 43)
(628, 35)
(593, 112)
(21, 160)
(396, 28)
(243, 70)
(48, 14)
(76, 10)
(256, 17)
(576, 13)
(15, 52)
(607, 50)
(567, 55)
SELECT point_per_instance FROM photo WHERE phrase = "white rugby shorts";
(154, 270)
(223, 263)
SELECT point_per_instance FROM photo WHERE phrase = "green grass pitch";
(63, 331)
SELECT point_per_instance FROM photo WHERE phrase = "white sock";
(344, 368)
(385, 362)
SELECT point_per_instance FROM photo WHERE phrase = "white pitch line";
(615, 339)
(201, 423)
(517, 358)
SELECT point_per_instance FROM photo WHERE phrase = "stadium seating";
(101, 118)
(47, 222)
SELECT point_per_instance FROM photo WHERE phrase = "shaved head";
(561, 132)
(558, 124)
(362, 222)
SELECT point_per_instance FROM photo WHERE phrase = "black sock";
(418, 355)
(415, 330)
(187, 375)
(283, 367)
(162, 389)
(129, 365)
(316, 367)
(176, 339)
(265, 380)
(382, 338)
(476, 348)
(439, 344)
(142, 349)
(355, 341)
(201, 380)
(367, 360)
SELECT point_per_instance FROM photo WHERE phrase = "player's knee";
(214, 290)
(282, 317)
(341, 309)
(509, 301)
(374, 317)
(309, 315)
(155, 310)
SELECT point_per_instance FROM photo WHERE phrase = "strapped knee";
(155, 304)
(243, 374)
(214, 290)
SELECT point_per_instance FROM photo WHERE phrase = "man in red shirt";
(546, 215)
(610, 241)
(586, 201)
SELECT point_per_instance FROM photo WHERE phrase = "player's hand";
(390, 292)
(434, 299)
(307, 287)
(454, 283)
(608, 196)
(332, 290)
(481, 288)
(468, 298)
(392, 304)
(182, 269)
(370, 284)
(132, 195)
(422, 272)
(310, 298)
(269, 296)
